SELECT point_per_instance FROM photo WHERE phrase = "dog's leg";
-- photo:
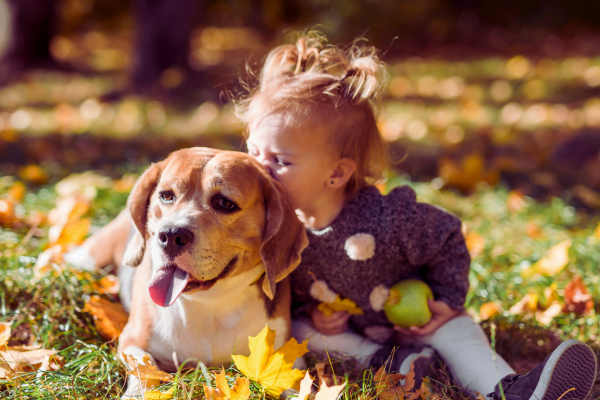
(104, 247)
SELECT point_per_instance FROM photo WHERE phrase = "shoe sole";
(571, 366)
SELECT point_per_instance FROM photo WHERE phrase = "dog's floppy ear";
(285, 237)
(138, 202)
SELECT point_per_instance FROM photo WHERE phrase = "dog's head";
(205, 215)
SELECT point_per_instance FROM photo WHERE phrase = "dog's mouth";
(170, 281)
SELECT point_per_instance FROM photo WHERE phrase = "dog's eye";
(227, 204)
(223, 204)
(167, 197)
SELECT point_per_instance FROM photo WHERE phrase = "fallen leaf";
(16, 363)
(515, 201)
(597, 232)
(545, 317)
(475, 244)
(240, 390)
(85, 183)
(322, 376)
(110, 318)
(340, 304)
(533, 230)
(488, 310)
(7, 211)
(158, 395)
(527, 303)
(553, 262)
(149, 375)
(272, 369)
(4, 333)
(577, 297)
(392, 388)
(125, 184)
(16, 192)
(68, 228)
(34, 174)
(108, 284)
(329, 393)
(305, 387)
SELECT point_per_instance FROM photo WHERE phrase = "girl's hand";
(440, 314)
(330, 325)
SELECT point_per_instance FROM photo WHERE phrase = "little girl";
(311, 123)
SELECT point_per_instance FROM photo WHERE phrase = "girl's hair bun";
(353, 72)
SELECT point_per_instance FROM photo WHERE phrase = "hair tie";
(303, 55)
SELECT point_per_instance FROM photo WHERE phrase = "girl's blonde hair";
(316, 85)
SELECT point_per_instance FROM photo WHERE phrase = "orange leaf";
(553, 262)
(577, 297)
(110, 318)
(533, 230)
(515, 201)
(488, 310)
(597, 231)
(109, 284)
(475, 243)
(34, 174)
(15, 363)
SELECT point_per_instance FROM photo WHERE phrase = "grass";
(49, 309)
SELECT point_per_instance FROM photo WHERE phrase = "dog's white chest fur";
(210, 329)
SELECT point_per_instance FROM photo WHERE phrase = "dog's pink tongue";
(167, 285)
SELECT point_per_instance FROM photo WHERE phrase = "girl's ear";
(342, 171)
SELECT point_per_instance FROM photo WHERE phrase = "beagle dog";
(212, 239)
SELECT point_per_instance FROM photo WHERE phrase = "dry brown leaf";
(16, 363)
(322, 376)
(577, 297)
(110, 318)
(392, 389)
(149, 375)
(329, 393)
(488, 310)
(475, 243)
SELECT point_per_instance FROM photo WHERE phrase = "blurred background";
(481, 92)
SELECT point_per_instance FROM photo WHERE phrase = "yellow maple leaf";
(340, 304)
(240, 390)
(158, 395)
(272, 369)
(553, 262)
(329, 393)
(149, 375)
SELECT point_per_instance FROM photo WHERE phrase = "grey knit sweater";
(411, 240)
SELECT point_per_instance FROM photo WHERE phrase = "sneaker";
(395, 359)
(566, 373)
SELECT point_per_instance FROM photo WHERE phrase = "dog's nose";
(173, 239)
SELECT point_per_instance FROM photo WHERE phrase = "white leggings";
(460, 342)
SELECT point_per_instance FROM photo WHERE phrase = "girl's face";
(299, 158)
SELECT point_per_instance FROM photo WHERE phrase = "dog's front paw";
(134, 389)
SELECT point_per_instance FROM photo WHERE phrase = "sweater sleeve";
(433, 242)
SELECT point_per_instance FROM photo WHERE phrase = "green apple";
(406, 305)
